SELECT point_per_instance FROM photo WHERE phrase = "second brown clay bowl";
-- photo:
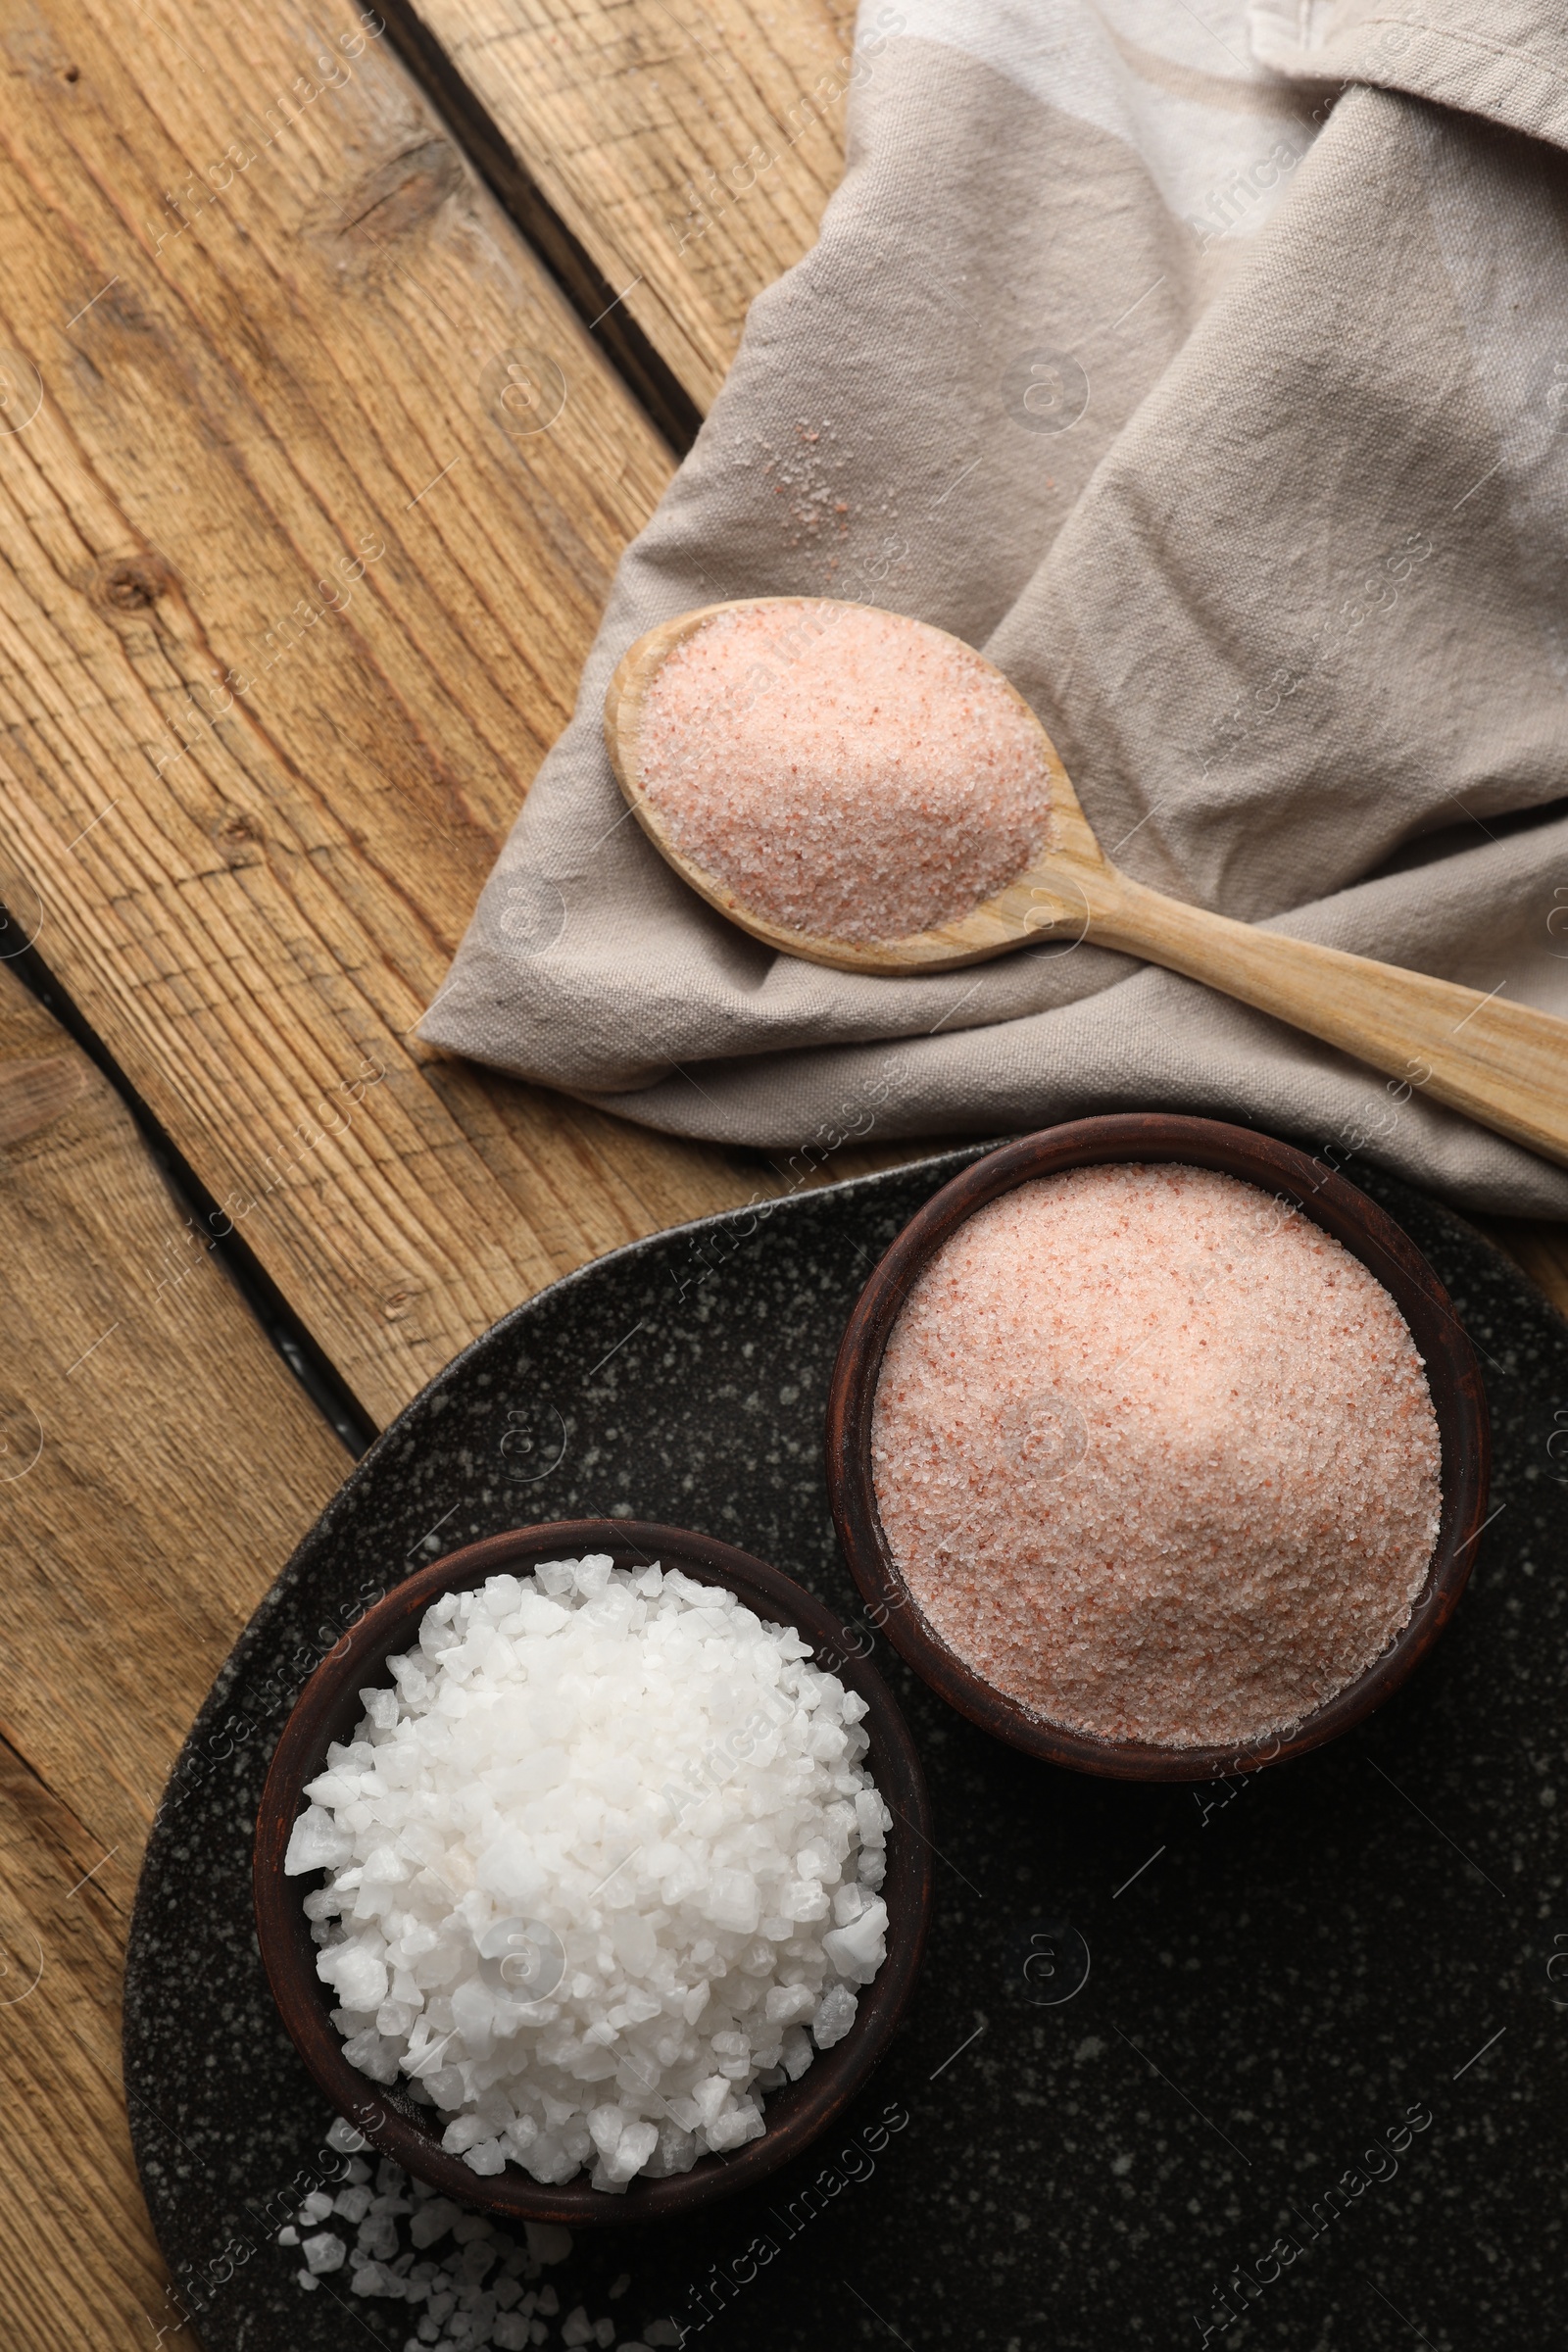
(329, 1710)
(1341, 1209)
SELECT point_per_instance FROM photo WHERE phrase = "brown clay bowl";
(328, 1710)
(1363, 1228)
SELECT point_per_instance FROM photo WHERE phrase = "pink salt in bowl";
(1296, 1186)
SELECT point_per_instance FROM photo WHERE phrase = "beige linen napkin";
(1209, 371)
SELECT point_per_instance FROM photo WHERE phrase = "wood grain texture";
(690, 150)
(296, 586)
(157, 1466)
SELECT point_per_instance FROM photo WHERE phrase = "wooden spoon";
(1505, 1065)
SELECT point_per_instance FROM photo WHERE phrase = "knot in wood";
(235, 835)
(398, 196)
(129, 583)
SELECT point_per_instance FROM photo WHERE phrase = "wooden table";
(287, 624)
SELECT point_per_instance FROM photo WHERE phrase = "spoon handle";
(1503, 1064)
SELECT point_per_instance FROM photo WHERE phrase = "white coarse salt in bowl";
(593, 1877)
(601, 1870)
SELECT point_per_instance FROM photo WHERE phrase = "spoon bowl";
(1048, 896)
(1501, 1063)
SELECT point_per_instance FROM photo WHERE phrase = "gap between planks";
(688, 151)
(287, 622)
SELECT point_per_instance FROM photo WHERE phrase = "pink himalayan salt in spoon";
(880, 779)
(858, 769)
(1154, 1459)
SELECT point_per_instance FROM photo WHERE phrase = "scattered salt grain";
(1156, 1456)
(847, 773)
(594, 1868)
(477, 2294)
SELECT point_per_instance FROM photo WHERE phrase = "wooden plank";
(290, 607)
(157, 1466)
(689, 150)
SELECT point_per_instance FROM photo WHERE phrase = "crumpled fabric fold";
(1210, 377)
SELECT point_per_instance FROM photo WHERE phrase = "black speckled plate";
(1267, 2062)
